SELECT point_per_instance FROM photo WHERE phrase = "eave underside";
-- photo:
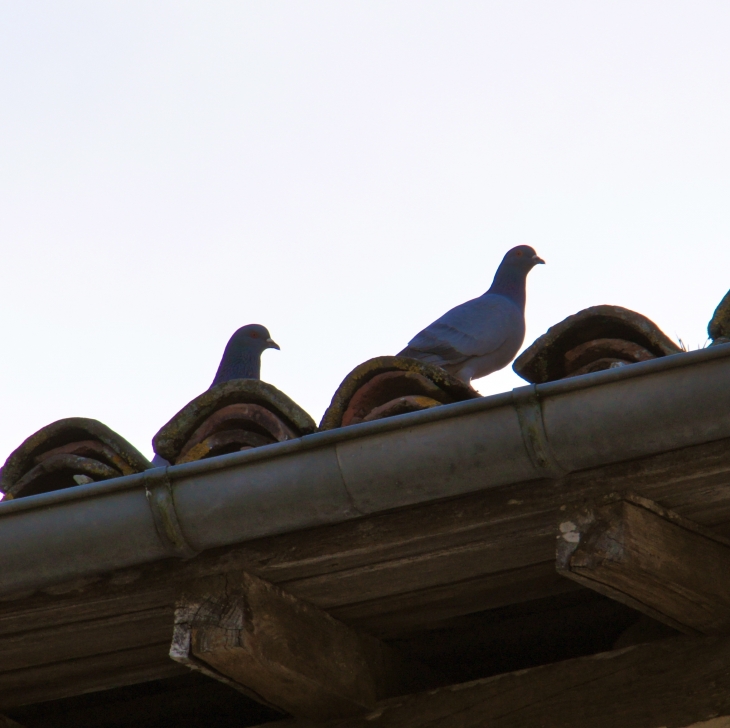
(468, 584)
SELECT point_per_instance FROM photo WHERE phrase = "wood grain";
(654, 560)
(84, 639)
(674, 683)
(63, 679)
(285, 652)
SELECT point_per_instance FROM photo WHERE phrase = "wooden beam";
(84, 639)
(681, 681)
(633, 550)
(284, 652)
(64, 679)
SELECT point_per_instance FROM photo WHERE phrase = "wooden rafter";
(649, 558)
(676, 683)
(284, 652)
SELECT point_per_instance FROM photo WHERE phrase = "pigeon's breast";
(513, 326)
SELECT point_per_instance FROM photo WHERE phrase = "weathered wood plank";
(84, 639)
(651, 559)
(95, 601)
(414, 573)
(75, 677)
(669, 684)
(285, 652)
(392, 616)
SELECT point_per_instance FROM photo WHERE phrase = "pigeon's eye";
(519, 253)
(254, 335)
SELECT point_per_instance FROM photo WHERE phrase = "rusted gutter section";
(538, 431)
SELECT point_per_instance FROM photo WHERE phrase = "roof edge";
(536, 431)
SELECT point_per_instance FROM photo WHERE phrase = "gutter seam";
(158, 490)
(528, 406)
(350, 498)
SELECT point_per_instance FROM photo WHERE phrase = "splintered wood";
(284, 652)
(651, 559)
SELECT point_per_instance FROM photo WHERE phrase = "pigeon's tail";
(412, 353)
(426, 356)
(436, 360)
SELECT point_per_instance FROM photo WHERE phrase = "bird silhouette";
(242, 355)
(483, 335)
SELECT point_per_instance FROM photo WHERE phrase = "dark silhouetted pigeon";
(484, 334)
(242, 357)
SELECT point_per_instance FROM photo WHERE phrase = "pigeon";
(483, 335)
(242, 357)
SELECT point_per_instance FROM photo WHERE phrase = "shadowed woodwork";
(675, 683)
(388, 574)
(633, 550)
(65, 678)
(6, 722)
(284, 652)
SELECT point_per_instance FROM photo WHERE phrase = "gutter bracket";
(527, 404)
(159, 497)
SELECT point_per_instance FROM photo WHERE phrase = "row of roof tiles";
(247, 413)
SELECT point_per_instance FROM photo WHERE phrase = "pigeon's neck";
(238, 363)
(510, 282)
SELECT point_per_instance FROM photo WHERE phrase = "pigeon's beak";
(536, 260)
(271, 344)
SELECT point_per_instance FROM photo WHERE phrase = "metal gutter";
(543, 431)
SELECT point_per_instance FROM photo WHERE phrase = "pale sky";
(343, 173)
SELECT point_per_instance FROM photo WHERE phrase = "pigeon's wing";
(474, 328)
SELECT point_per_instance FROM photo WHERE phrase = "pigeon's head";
(523, 257)
(253, 337)
(242, 356)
